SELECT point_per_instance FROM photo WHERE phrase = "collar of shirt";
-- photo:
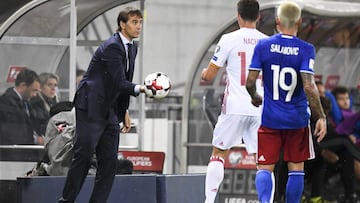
(125, 41)
(18, 93)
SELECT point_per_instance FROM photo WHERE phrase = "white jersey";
(235, 50)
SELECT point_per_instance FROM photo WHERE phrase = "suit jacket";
(107, 85)
(16, 127)
(40, 107)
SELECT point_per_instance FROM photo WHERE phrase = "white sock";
(214, 177)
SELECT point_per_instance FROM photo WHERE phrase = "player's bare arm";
(317, 111)
(210, 72)
(256, 99)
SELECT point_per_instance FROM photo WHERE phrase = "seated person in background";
(59, 138)
(16, 115)
(349, 120)
(42, 103)
(334, 152)
(58, 142)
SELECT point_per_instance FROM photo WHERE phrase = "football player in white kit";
(239, 119)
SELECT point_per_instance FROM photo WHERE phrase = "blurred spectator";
(339, 62)
(335, 152)
(357, 37)
(349, 120)
(16, 117)
(79, 75)
(59, 137)
(316, 168)
(44, 100)
(342, 38)
(321, 88)
(59, 142)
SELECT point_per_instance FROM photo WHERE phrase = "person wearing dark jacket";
(16, 115)
(101, 103)
(47, 98)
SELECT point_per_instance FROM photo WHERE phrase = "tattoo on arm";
(312, 95)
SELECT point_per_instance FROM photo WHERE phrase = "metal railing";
(42, 147)
(198, 144)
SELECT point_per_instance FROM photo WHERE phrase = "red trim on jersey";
(217, 158)
(224, 101)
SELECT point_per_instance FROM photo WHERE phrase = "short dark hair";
(248, 9)
(124, 15)
(339, 90)
(27, 76)
(60, 107)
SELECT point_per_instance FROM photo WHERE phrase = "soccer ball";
(157, 85)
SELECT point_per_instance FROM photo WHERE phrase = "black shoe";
(61, 200)
(350, 199)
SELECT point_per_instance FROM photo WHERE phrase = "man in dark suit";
(16, 116)
(101, 103)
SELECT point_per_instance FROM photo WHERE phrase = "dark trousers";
(100, 137)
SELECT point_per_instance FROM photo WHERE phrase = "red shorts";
(297, 145)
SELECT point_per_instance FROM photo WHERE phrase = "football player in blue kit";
(287, 65)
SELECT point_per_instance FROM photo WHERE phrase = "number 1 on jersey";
(242, 56)
(243, 74)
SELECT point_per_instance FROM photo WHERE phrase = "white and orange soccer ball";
(157, 85)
